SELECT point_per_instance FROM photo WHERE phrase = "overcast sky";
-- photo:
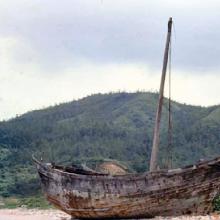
(56, 51)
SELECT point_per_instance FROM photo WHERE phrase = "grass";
(28, 202)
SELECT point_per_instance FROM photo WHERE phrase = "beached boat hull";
(189, 190)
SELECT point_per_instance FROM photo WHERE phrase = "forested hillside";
(112, 126)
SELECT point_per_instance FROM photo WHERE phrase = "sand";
(24, 214)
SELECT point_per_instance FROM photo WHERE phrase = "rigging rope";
(169, 141)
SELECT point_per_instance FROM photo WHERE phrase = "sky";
(57, 51)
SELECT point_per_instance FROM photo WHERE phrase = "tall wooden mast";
(154, 152)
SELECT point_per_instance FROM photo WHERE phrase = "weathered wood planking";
(189, 190)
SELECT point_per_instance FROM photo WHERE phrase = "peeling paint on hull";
(189, 190)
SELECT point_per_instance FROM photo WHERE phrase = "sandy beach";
(24, 214)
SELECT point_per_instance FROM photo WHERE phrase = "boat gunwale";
(130, 176)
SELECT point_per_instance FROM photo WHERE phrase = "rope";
(169, 147)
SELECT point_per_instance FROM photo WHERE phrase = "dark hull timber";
(188, 190)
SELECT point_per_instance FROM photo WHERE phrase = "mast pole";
(154, 152)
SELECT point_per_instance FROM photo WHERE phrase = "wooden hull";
(189, 190)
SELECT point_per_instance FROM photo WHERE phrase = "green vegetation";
(26, 202)
(216, 203)
(112, 126)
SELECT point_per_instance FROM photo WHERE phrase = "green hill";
(114, 126)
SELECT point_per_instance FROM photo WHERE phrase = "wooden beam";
(156, 138)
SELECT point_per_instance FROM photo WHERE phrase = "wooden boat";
(87, 194)
(189, 190)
